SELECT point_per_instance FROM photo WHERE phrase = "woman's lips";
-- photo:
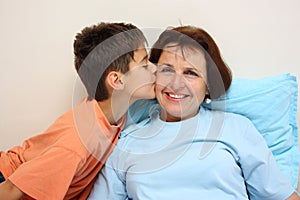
(175, 97)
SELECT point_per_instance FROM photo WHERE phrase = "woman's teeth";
(176, 96)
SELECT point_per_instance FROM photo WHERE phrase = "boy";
(62, 163)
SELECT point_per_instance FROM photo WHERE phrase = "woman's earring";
(207, 99)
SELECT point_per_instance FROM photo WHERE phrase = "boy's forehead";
(140, 54)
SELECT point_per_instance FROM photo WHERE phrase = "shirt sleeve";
(262, 175)
(110, 184)
(47, 176)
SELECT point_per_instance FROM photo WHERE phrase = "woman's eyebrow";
(167, 64)
(192, 68)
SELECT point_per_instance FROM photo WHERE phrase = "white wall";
(257, 39)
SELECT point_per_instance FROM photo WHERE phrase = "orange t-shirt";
(63, 162)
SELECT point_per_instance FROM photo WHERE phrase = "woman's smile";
(175, 96)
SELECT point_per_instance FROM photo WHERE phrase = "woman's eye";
(167, 69)
(191, 73)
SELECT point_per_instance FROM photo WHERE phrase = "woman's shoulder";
(228, 117)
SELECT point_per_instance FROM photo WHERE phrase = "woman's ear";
(113, 79)
(206, 91)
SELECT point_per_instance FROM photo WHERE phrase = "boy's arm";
(8, 191)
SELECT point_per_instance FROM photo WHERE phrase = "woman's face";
(181, 82)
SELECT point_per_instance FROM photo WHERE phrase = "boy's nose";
(152, 67)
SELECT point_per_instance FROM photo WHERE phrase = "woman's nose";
(177, 82)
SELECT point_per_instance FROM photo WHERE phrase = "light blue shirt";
(214, 155)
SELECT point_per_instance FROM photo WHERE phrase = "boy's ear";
(113, 79)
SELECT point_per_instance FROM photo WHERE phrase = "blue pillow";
(271, 104)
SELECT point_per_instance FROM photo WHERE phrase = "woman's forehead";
(183, 50)
(187, 53)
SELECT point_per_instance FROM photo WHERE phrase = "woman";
(184, 151)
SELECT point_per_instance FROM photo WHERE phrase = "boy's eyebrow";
(145, 58)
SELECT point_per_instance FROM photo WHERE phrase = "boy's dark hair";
(102, 48)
